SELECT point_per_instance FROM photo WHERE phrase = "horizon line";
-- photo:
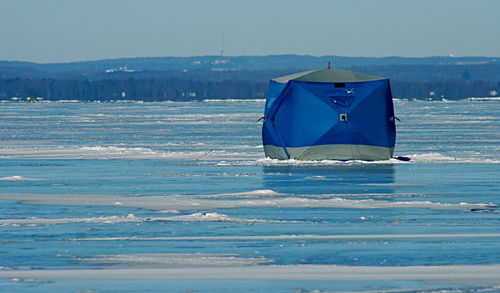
(237, 56)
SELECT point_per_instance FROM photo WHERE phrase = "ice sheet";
(484, 274)
(179, 202)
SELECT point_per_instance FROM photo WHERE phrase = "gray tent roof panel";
(328, 75)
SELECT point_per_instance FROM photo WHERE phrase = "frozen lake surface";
(178, 197)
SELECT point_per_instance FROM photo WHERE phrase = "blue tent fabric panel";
(303, 117)
(343, 133)
(274, 90)
(374, 117)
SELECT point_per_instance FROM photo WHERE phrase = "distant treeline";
(218, 77)
(157, 89)
(447, 89)
(151, 89)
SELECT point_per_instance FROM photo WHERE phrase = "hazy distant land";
(226, 77)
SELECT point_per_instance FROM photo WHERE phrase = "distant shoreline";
(223, 77)
(229, 100)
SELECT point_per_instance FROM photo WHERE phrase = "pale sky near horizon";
(77, 30)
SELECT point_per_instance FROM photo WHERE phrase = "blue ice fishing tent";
(329, 114)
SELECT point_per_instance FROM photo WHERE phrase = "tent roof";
(328, 75)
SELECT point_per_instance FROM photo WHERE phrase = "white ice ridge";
(298, 237)
(458, 274)
(177, 202)
(267, 193)
(436, 157)
(293, 162)
(18, 178)
(131, 218)
(121, 152)
(99, 152)
(173, 260)
(427, 158)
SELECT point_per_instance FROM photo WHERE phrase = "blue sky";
(71, 30)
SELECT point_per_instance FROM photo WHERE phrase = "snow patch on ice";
(433, 157)
(173, 260)
(257, 192)
(108, 152)
(18, 178)
(298, 237)
(178, 202)
(212, 217)
(294, 162)
(439, 158)
(486, 275)
(130, 218)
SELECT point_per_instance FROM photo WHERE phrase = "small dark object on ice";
(401, 158)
